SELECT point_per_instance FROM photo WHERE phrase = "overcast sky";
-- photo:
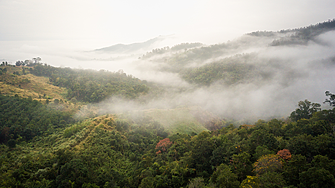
(106, 22)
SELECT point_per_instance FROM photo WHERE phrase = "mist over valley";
(259, 75)
(106, 94)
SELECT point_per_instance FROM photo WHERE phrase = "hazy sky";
(106, 22)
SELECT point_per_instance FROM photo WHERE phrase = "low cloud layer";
(291, 74)
(287, 75)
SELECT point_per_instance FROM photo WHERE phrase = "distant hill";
(131, 48)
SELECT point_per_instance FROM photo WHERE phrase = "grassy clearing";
(41, 86)
(36, 87)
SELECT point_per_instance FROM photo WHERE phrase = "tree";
(262, 137)
(37, 59)
(163, 145)
(284, 154)
(18, 63)
(267, 163)
(272, 179)
(250, 182)
(11, 143)
(262, 150)
(56, 101)
(224, 177)
(305, 110)
(331, 99)
(76, 171)
(196, 183)
(316, 177)
(320, 161)
(302, 144)
(147, 182)
(241, 165)
(293, 168)
(202, 150)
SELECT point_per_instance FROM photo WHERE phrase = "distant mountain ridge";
(234, 62)
(299, 36)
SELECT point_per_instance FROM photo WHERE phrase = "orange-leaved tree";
(163, 145)
(268, 163)
(284, 154)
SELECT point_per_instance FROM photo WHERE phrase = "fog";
(286, 74)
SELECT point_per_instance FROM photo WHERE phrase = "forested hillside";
(23, 119)
(112, 152)
(234, 62)
(92, 86)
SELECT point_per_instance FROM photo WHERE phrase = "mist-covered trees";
(226, 72)
(160, 51)
(302, 36)
(110, 152)
(41, 147)
(92, 86)
(305, 110)
(331, 99)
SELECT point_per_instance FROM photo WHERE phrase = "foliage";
(262, 150)
(268, 163)
(163, 145)
(316, 177)
(92, 86)
(230, 71)
(293, 168)
(27, 118)
(19, 82)
(118, 151)
(272, 180)
(164, 50)
(250, 182)
(305, 110)
(196, 183)
(301, 36)
(284, 154)
(224, 177)
(241, 165)
(331, 99)
(68, 132)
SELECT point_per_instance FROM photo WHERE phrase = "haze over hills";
(259, 67)
(189, 115)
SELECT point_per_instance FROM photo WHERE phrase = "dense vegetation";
(113, 152)
(21, 119)
(92, 86)
(302, 36)
(228, 71)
